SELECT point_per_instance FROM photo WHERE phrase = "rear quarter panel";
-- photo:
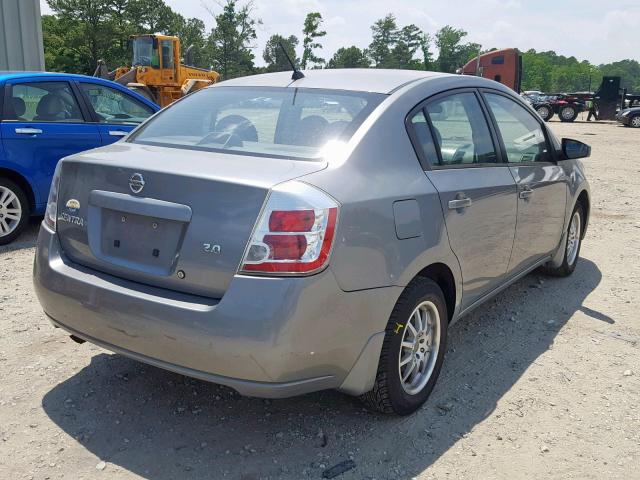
(381, 167)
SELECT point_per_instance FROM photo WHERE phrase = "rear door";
(115, 111)
(542, 184)
(477, 192)
(43, 121)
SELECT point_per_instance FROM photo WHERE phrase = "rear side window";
(293, 123)
(460, 130)
(522, 134)
(423, 140)
(42, 102)
(114, 106)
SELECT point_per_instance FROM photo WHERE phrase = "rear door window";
(114, 106)
(460, 130)
(42, 102)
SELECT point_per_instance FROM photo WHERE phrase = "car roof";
(355, 79)
(4, 76)
(13, 74)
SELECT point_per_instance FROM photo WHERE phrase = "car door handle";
(28, 131)
(525, 193)
(118, 133)
(459, 203)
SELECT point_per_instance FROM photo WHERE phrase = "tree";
(231, 40)
(452, 53)
(85, 30)
(311, 33)
(191, 31)
(385, 34)
(274, 57)
(410, 40)
(350, 57)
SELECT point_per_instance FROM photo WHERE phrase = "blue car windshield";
(293, 123)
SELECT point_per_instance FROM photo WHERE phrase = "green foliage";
(232, 39)
(275, 58)
(81, 32)
(349, 57)
(393, 47)
(311, 33)
(453, 54)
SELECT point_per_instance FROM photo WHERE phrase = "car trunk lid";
(167, 217)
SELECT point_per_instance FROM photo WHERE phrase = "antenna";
(297, 74)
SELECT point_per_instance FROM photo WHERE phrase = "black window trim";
(8, 91)
(424, 162)
(550, 150)
(94, 115)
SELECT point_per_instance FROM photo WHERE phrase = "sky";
(595, 30)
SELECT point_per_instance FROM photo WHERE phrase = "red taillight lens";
(295, 232)
(293, 221)
(286, 247)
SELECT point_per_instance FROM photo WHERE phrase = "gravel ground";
(541, 382)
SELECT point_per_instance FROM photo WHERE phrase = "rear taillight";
(51, 212)
(294, 233)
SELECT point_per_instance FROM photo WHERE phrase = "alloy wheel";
(635, 121)
(573, 239)
(419, 347)
(10, 211)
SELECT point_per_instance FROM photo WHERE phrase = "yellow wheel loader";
(157, 71)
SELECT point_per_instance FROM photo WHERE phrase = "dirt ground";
(541, 382)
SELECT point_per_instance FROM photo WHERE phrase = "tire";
(571, 255)
(14, 211)
(568, 113)
(545, 112)
(390, 394)
(634, 121)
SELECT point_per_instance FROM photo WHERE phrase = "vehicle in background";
(158, 71)
(503, 66)
(566, 106)
(281, 247)
(47, 116)
(629, 117)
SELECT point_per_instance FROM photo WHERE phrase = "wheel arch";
(583, 199)
(22, 182)
(443, 276)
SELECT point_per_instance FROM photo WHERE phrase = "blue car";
(45, 117)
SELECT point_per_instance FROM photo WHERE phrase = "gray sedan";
(283, 236)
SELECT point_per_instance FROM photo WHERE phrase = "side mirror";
(572, 149)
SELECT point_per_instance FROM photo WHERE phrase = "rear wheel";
(572, 246)
(14, 211)
(412, 351)
(635, 121)
(545, 112)
(568, 113)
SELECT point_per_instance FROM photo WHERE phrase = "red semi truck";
(504, 66)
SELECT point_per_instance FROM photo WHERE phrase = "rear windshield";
(293, 123)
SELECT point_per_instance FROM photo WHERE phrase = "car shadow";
(27, 239)
(161, 426)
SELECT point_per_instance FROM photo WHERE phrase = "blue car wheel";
(14, 211)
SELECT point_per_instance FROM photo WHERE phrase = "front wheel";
(412, 351)
(572, 246)
(545, 112)
(635, 121)
(568, 113)
(14, 211)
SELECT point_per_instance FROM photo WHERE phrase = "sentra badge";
(73, 205)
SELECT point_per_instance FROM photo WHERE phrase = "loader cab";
(160, 52)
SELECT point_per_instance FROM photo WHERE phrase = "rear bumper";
(267, 337)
